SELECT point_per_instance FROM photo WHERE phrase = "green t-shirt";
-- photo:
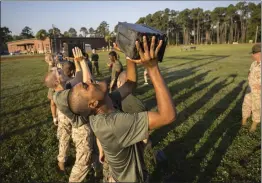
(116, 70)
(131, 104)
(94, 57)
(120, 135)
(61, 100)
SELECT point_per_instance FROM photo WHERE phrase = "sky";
(65, 14)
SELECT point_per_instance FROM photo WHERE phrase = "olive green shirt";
(116, 69)
(120, 135)
(132, 104)
(61, 100)
(94, 57)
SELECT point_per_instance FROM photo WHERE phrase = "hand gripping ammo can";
(128, 34)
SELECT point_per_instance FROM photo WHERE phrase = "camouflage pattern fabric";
(83, 140)
(64, 131)
(252, 100)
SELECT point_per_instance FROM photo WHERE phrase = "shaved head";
(51, 80)
(121, 78)
(76, 103)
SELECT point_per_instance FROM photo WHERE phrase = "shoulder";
(61, 100)
(132, 104)
(101, 123)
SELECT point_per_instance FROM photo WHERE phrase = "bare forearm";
(53, 108)
(78, 67)
(86, 72)
(165, 103)
(131, 71)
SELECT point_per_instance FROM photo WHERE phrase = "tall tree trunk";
(231, 31)
(218, 33)
(177, 37)
(256, 35)
(237, 35)
(235, 40)
(225, 32)
(198, 30)
(242, 30)
(184, 36)
(207, 36)
(194, 25)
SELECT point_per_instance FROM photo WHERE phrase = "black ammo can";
(128, 34)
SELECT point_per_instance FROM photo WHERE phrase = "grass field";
(206, 143)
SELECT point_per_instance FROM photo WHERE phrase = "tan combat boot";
(244, 121)
(61, 166)
(253, 127)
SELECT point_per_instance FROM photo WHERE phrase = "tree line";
(235, 23)
(101, 31)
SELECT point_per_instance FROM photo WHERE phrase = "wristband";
(55, 120)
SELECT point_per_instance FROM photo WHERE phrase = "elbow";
(171, 117)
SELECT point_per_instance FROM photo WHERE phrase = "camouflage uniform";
(82, 136)
(64, 131)
(83, 139)
(252, 102)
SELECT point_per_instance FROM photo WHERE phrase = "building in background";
(29, 46)
(55, 45)
(84, 43)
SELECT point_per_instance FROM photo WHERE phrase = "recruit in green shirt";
(116, 69)
(94, 57)
(120, 135)
(61, 100)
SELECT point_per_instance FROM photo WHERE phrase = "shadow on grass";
(24, 109)
(159, 135)
(191, 59)
(170, 74)
(22, 130)
(187, 169)
(25, 92)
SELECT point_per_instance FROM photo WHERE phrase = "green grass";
(206, 143)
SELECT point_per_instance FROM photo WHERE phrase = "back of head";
(69, 68)
(256, 52)
(76, 103)
(256, 48)
(113, 54)
(51, 80)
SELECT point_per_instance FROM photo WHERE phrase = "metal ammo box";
(128, 34)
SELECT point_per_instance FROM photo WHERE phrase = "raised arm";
(78, 57)
(130, 84)
(77, 65)
(166, 108)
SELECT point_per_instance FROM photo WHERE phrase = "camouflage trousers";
(64, 131)
(83, 140)
(252, 105)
